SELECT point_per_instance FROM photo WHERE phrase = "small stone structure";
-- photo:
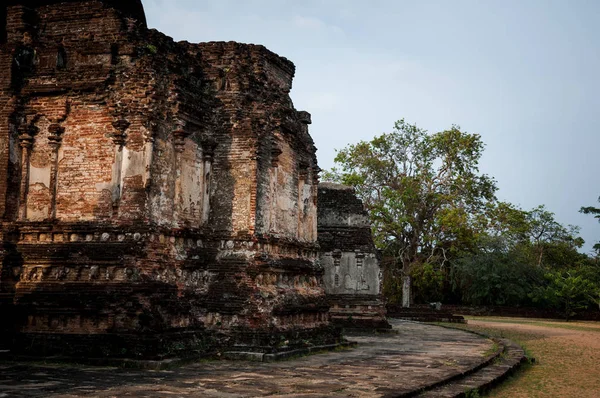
(352, 270)
(158, 199)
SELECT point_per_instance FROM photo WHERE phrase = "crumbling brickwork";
(351, 261)
(158, 198)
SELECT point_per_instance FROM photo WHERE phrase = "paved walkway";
(418, 355)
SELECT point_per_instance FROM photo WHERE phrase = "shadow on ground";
(417, 356)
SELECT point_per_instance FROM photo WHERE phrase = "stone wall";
(352, 271)
(158, 198)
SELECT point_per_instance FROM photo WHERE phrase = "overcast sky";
(523, 74)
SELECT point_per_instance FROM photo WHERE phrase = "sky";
(525, 75)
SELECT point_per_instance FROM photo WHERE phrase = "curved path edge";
(503, 363)
(417, 360)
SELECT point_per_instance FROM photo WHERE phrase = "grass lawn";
(567, 356)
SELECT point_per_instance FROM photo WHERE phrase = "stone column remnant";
(119, 137)
(54, 140)
(26, 137)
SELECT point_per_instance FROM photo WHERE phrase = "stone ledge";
(433, 387)
(5, 355)
(381, 365)
(283, 355)
(107, 362)
(481, 378)
(424, 315)
(511, 358)
(369, 331)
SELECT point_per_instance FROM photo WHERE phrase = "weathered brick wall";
(254, 103)
(159, 196)
(74, 56)
(252, 85)
(352, 270)
(343, 222)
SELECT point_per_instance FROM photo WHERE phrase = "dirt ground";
(567, 356)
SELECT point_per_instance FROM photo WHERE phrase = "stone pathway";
(382, 365)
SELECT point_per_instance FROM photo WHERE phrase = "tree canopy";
(423, 191)
(595, 211)
(436, 217)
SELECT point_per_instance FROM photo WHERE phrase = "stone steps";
(420, 360)
(426, 316)
(482, 378)
(423, 313)
(441, 318)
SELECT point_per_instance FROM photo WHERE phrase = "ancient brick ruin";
(351, 261)
(157, 198)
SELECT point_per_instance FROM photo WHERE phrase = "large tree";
(545, 233)
(595, 211)
(424, 193)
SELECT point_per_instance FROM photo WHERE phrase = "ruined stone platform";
(385, 365)
(422, 313)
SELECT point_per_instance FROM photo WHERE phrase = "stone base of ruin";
(423, 313)
(152, 351)
(103, 293)
(285, 352)
(353, 312)
(104, 348)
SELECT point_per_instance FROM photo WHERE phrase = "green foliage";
(591, 273)
(424, 192)
(473, 393)
(428, 283)
(566, 291)
(543, 231)
(493, 276)
(439, 225)
(595, 211)
(151, 49)
(509, 222)
(392, 285)
(562, 255)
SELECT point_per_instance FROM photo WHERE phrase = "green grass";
(551, 324)
(567, 357)
(491, 351)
